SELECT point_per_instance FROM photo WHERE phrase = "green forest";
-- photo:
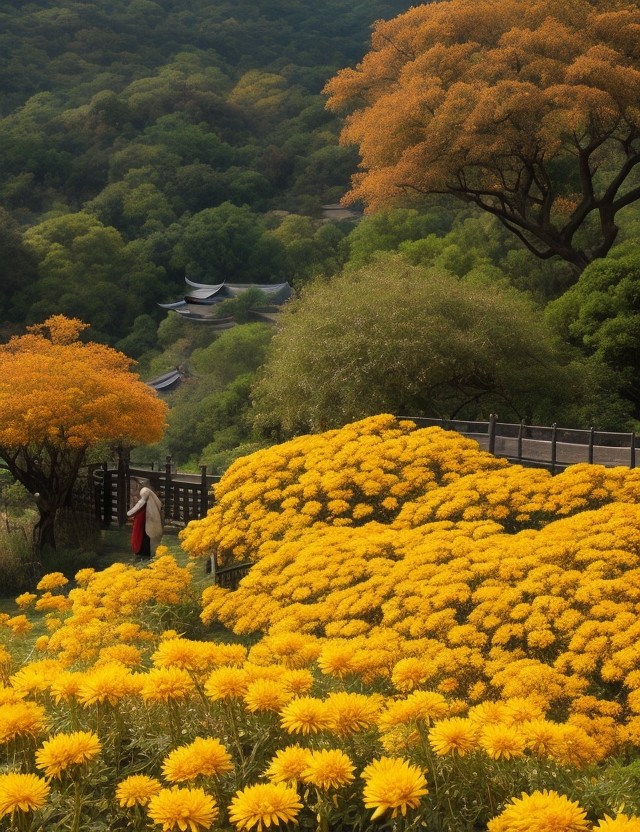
(142, 142)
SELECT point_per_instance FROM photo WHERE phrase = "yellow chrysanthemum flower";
(21, 719)
(305, 715)
(502, 741)
(182, 809)
(540, 812)
(41, 643)
(19, 624)
(84, 576)
(487, 713)
(263, 805)
(542, 737)
(37, 676)
(621, 823)
(328, 768)
(337, 659)
(288, 764)
(137, 789)
(518, 710)
(429, 705)
(297, 681)
(60, 603)
(227, 683)
(266, 695)
(105, 683)
(392, 783)
(409, 673)
(65, 686)
(126, 654)
(52, 581)
(163, 684)
(205, 755)
(226, 654)
(25, 600)
(453, 736)
(24, 792)
(184, 653)
(65, 750)
(351, 712)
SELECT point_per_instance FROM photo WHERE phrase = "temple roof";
(200, 299)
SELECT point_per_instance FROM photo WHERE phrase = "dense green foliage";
(209, 414)
(601, 316)
(130, 130)
(392, 337)
(141, 141)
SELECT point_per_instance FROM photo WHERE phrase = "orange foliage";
(58, 391)
(480, 98)
(59, 397)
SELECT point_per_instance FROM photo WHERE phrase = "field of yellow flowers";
(440, 641)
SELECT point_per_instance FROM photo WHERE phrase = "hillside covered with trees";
(144, 141)
(128, 130)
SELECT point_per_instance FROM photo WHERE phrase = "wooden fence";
(552, 447)
(189, 496)
(185, 497)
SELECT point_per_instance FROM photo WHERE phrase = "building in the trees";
(201, 302)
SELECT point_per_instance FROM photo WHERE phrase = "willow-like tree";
(531, 111)
(397, 338)
(58, 398)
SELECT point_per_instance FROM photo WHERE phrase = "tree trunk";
(48, 473)
(44, 529)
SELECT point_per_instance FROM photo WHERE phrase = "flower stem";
(77, 808)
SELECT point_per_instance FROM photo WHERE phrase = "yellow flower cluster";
(361, 473)
(518, 497)
(93, 619)
(480, 623)
(238, 692)
(64, 751)
(500, 581)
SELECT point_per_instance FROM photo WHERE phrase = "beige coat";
(153, 518)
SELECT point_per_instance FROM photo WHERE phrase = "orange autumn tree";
(58, 398)
(529, 110)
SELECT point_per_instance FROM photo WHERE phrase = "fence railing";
(552, 447)
(185, 497)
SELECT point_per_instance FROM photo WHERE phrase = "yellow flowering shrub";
(360, 473)
(439, 636)
(98, 612)
(499, 581)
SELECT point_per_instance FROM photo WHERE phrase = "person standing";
(147, 523)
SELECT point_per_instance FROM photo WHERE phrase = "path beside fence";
(552, 447)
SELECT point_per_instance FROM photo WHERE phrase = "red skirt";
(137, 533)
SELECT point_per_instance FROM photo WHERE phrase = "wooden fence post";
(167, 490)
(632, 461)
(591, 438)
(97, 495)
(106, 494)
(492, 432)
(122, 493)
(554, 430)
(520, 432)
(204, 502)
